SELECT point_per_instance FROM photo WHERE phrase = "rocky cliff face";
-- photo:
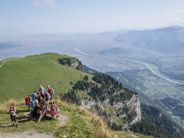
(72, 62)
(107, 97)
(121, 113)
(135, 101)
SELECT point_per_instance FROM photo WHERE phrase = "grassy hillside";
(108, 98)
(22, 76)
(79, 123)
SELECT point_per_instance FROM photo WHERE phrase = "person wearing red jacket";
(39, 98)
(50, 92)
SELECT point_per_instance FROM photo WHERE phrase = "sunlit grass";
(22, 76)
(80, 123)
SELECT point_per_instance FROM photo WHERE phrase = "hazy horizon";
(77, 17)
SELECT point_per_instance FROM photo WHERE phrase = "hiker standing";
(28, 102)
(39, 98)
(51, 92)
(47, 96)
(34, 95)
(12, 112)
(32, 107)
(42, 91)
(36, 106)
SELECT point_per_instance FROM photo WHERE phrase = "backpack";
(42, 91)
(27, 99)
(48, 95)
(40, 99)
(34, 95)
(52, 90)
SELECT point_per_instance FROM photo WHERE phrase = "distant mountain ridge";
(164, 40)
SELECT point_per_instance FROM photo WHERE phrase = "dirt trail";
(2, 63)
(27, 134)
(32, 133)
(133, 135)
(63, 120)
(117, 135)
(5, 60)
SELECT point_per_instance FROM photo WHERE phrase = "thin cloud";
(177, 17)
(47, 3)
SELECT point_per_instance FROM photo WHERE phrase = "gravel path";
(63, 120)
(28, 134)
(33, 134)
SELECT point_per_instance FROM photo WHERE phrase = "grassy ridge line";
(22, 76)
(1, 62)
(5, 60)
(81, 123)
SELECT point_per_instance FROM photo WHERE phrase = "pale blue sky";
(23, 17)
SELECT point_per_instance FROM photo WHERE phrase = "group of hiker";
(38, 102)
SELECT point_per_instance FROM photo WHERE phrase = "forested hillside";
(119, 106)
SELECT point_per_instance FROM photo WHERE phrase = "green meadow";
(20, 77)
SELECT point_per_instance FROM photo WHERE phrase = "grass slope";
(80, 123)
(21, 76)
(1, 62)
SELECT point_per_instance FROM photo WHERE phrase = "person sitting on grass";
(54, 108)
(28, 102)
(44, 106)
(12, 112)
